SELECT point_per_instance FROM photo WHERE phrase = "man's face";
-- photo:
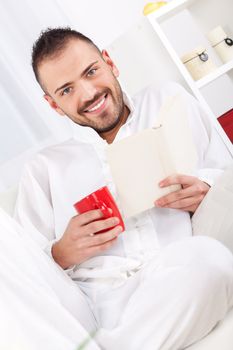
(82, 84)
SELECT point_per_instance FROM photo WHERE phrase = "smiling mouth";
(97, 106)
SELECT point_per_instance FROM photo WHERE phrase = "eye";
(66, 91)
(91, 72)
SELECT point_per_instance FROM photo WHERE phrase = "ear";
(53, 104)
(110, 63)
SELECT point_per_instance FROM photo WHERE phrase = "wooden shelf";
(215, 74)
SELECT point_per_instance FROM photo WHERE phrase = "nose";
(87, 91)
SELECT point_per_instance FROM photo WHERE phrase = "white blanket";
(40, 307)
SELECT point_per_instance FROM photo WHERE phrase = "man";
(154, 280)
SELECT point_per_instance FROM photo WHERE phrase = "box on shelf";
(198, 63)
(226, 121)
(222, 43)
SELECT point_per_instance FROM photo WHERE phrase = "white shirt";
(62, 174)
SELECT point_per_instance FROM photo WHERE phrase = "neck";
(110, 135)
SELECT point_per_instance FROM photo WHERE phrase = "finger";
(191, 209)
(85, 242)
(92, 251)
(89, 216)
(174, 196)
(99, 225)
(104, 237)
(177, 179)
(183, 203)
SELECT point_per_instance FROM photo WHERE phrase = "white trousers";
(172, 302)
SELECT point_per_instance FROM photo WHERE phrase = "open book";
(139, 162)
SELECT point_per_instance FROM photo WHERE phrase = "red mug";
(100, 199)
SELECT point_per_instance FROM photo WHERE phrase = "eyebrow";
(82, 74)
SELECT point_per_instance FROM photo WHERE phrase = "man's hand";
(188, 197)
(80, 240)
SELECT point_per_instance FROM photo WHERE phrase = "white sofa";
(221, 338)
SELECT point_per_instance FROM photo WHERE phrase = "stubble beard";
(108, 122)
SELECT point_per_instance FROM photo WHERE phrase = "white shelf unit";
(167, 12)
(225, 68)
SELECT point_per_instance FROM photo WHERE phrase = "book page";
(139, 162)
(173, 116)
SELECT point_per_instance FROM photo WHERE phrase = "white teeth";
(97, 106)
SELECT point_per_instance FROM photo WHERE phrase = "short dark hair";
(51, 42)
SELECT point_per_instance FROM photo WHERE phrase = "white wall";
(142, 59)
(103, 20)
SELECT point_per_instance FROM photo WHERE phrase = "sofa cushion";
(221, 338)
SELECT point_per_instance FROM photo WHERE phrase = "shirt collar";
(89, 135)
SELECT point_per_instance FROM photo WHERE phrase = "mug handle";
(103, 207)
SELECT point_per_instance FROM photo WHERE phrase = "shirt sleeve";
(213, 153)
(48, 250)
(33, 205)
(33, 208)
